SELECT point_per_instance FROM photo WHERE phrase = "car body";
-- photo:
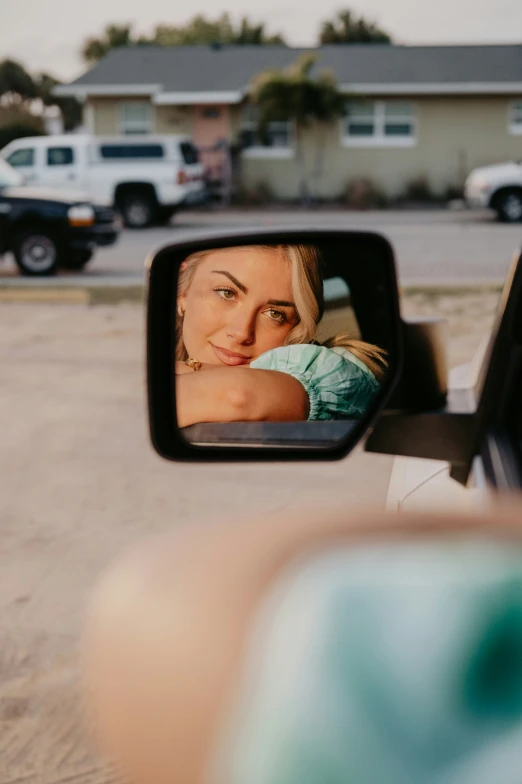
(47, 229)
(456, 439)
(147, 178)
(427, 484)
(498, 187)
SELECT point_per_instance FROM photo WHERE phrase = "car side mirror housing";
(238, 313)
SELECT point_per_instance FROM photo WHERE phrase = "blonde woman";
(246, 348)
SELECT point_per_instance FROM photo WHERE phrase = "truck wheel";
(35, 252)
(164, 215)
(508, 205)
(138, 210)
(76, 260)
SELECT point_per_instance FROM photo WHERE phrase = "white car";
(147, 178)
(498, 187)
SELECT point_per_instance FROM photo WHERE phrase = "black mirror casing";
(376, 277)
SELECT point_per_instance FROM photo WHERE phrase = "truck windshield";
(9, 176)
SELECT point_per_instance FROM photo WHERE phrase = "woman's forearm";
(239, 395)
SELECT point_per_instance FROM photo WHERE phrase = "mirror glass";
(280, 344)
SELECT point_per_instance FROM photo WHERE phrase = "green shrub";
(419, 190)
(253, 196)
(363, 194)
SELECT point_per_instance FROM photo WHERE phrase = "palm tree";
(294, 94)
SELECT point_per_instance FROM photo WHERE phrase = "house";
(431, 112)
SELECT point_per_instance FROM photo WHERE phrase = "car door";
(26, 159)
(61, 167)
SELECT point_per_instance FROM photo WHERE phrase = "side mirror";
(270, 345)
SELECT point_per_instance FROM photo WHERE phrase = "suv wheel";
(138, 210)
(509, 206)
(36, 253)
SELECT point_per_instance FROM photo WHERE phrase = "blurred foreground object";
(314, 651)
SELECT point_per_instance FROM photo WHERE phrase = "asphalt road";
(431, 246)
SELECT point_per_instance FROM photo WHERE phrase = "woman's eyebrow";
(282, 303)
(233, 279)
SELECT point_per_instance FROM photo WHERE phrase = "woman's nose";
(242, 328)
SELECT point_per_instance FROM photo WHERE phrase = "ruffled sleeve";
(338, 384)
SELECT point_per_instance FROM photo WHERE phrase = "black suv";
(47, 230)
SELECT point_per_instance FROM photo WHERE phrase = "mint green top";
(337, 383)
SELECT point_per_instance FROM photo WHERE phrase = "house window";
(211, 112)
(136, 117)
(515, 117)
(277, 141)
(379, 124)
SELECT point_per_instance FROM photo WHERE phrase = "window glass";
(60, 156)
(277, 134)
(394, 109)
(211, 112)
(24, 157)
(127, 151)
(515, 119)
(189, 153)
(380, 120)
(135, 117)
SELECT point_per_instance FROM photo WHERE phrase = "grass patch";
(112, 295)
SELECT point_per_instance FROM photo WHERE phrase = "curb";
(112, 293)
(68, 295)
(457, 289)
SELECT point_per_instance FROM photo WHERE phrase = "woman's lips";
(229, 358)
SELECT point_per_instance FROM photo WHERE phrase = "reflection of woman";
(256, 309)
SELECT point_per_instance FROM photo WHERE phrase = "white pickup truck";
(498, 187)
(147, 178)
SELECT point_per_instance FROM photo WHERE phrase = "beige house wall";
(174, 119)
(454, 135)
(105, 116)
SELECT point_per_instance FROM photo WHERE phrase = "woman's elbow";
(277, 397)
(239, 403)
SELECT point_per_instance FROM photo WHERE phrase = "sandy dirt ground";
(80, 482)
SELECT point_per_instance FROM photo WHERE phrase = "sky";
(46, 35)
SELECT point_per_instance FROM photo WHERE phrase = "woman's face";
(238, 305)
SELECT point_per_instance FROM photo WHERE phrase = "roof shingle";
(203, 68)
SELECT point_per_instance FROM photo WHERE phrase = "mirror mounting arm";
(423, 384)
(450, 437)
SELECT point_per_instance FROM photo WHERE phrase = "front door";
(211, 125)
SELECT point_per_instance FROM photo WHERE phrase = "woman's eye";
(225, 293)
(276, 315)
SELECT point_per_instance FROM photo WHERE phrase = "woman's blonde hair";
(307, 287)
